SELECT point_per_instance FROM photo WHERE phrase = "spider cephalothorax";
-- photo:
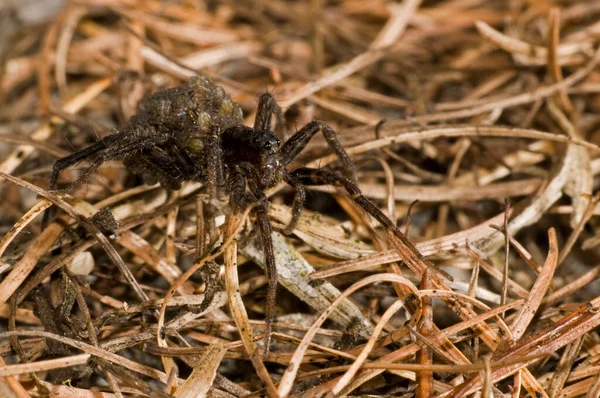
(194, 132)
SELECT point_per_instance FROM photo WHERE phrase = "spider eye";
(268, 146)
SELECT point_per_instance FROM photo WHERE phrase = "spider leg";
(189, 167)
(215, 175)
(165, 166)
(102, 151)
(292, 147)
(63, 163)
(410, 254)
(267, 106)
(299, 198)
(247, 174)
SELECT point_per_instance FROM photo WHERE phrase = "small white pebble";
(82, 264)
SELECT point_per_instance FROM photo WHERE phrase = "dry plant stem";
(95, 351)
(563, 369)
(536, 294)
(290, 373)
(553, 63)
(411, 349)
(500, 104)
(506, 252)
(390, 33)
(430, 133)
(16, 387)
(587, 215)
(160, 328)
(234, 223)
(594, 388)
(74, 105)
(548, 340)
(203, 375)
(425, 379)
(45, 365)
(91, 330)
(351, 372)
(27, 218)
(91, 228)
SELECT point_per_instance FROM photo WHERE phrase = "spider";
(195, 132)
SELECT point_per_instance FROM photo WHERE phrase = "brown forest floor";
(492, 123)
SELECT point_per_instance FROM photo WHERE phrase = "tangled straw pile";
(492, 118)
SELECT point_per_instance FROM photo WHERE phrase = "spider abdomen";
(176, 128)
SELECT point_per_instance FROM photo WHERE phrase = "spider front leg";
(267, 106)
(292, 147)
(215, 176)
(247, 174)
(299, 199)
(408, 252)
(68, 161)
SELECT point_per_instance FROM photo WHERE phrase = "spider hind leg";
(408, 252)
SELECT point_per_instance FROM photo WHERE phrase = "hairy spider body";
(171, 139)
(195, 132)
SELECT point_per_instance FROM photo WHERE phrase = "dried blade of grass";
(73, 106)
(32, 213)
(160, 328)
(65, 391)
(356, 365)
(287, 380)
(536, 294)
(573, 286)
(73, 15)
(489, 267)
(26, 264)
(579, 185)
(549, 340)
(411, 349)
(520, 99)
(424, 379)
(317, 231)
(89, 226)
(201, 59)
(352, 112)
(585, 217)
(191, 33)
(95, 351)
(447, 192)
(160, 264)
(553, 66)
(479, 92)
(504, 293)
(16, 389)
(44, 365)
(430, 133)
(388, 36)
(236, 304)
(566, 53)
(203, 375)
(445, 247)
(594, 389)
(538, 205)
(292, 273)
(563, 369)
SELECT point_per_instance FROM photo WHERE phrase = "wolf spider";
(194, 132)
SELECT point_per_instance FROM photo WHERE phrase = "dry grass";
(492, 124)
